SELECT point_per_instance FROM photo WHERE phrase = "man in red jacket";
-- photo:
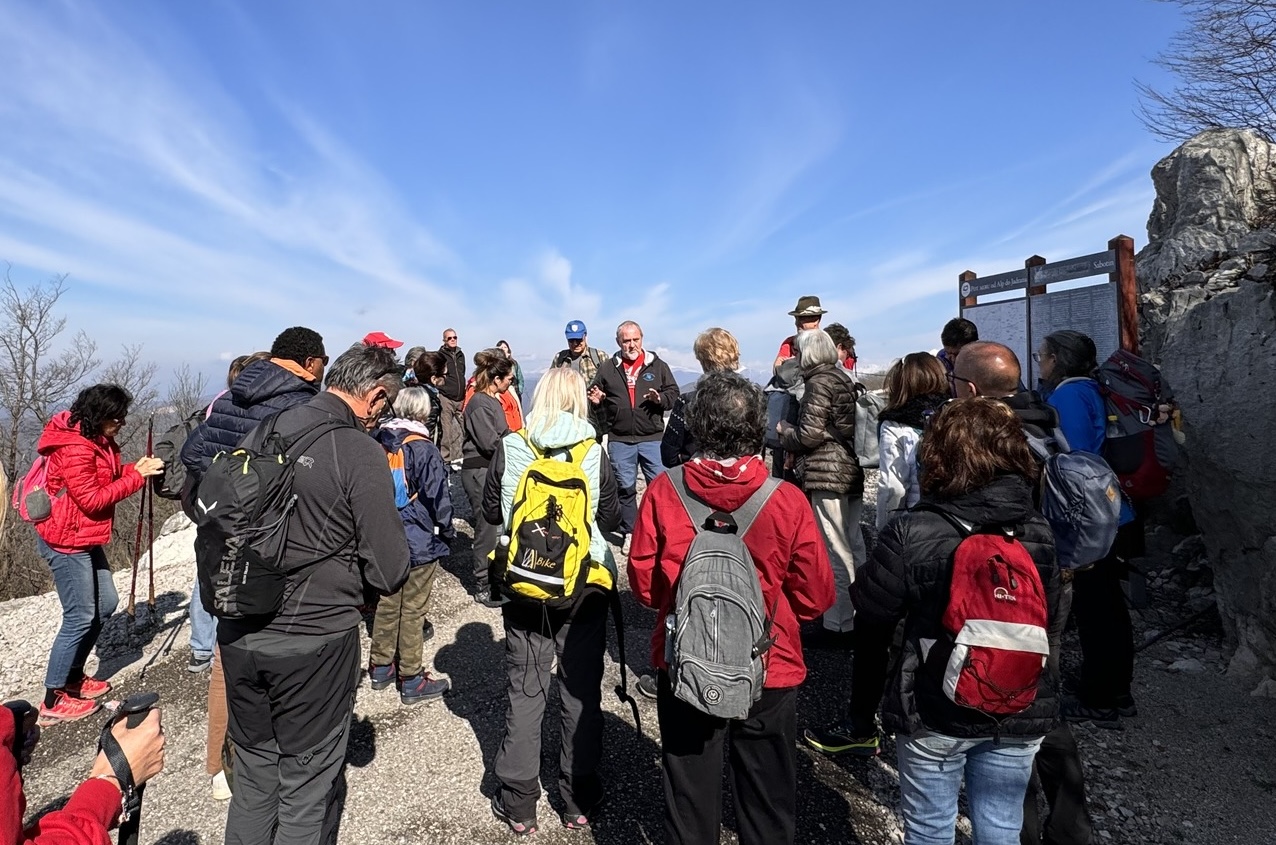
(727, 419)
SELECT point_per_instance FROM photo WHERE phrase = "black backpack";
(241, 512)
(169, 483)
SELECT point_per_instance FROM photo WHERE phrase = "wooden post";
(965, 301)
(1034, 261)
(1127, 292)
(1030, 366)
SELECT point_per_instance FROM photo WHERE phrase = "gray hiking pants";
(534, 635)
(290, 698)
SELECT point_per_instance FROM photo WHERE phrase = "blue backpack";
(1080, 497)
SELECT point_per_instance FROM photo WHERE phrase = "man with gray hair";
(290, 679)
(631, 393)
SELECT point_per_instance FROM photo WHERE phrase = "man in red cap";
(381, 339)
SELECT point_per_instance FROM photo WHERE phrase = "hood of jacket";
(1006, 500)
(915, 411)
(59, 432)
(263, 380)
(393, 431)
(648, 358)
(563, 430)
(725, 485)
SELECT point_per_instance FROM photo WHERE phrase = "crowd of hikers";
(321, 497)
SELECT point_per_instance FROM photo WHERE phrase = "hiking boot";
(66, 708)
(484, 597)
(520, 827)
(381, 677)
(427, 630)
(841, 738)
(88, 687)
(422, 688)
(198, 663)
(624, 548)
(221, 788)
(1126, 707)
(1108, 718)
(648, 686)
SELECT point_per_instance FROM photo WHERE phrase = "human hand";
(147, 467)
(143, 747)
(595, 395)
(652, 395)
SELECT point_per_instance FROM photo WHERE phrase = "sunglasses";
(449, 337)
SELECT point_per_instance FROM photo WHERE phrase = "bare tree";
(185, 391)
(39, 373)
(1225, 60)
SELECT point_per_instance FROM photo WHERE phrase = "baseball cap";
(575, 330)
(381, 339)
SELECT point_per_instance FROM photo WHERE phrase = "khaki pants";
(453, 430)
(397, 625)
(216, 715)
(838, 518)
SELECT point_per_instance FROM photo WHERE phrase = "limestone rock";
(1213, 332)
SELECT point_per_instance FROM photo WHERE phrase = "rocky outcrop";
(1209, 320)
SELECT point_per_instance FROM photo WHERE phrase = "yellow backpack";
(548, 556)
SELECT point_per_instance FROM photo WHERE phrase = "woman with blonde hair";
(540, 636)
(716, 349)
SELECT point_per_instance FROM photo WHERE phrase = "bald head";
(993, 368)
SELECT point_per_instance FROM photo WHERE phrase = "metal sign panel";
(1014, 280)
(1091, 310)
(1100, 263)
(1003, 322)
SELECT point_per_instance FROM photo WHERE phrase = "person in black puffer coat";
(977, 468)
(830, 473)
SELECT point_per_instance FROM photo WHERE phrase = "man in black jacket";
(631, 393)
(992, 369)
(452, 394)
(291, 679)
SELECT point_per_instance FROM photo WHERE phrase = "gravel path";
(1195, 767)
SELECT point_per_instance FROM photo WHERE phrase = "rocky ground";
(1195, 767)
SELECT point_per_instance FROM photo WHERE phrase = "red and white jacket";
(784, 541)
(85, 481)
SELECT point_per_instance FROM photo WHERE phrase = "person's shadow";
(474, 662)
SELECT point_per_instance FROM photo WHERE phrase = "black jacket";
(908, 576)
(1037, 417)
(621, 420)
(825, 464)
(262, 389)
(344, 513)
(453, 386)
(678, 446)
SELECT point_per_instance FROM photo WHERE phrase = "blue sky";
(210, 173)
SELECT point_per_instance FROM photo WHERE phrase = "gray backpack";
(719, 629)
(1080, 497)
(868, 408)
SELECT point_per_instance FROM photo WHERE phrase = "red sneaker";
(88, 688)
(66, 708)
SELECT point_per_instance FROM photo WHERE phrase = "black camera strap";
(134, 710)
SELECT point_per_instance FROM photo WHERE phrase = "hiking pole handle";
(133, 710)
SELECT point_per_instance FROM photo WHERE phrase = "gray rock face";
(1209, 320)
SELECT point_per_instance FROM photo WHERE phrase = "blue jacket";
(262, 389)
(427, 479)
(1083, 417)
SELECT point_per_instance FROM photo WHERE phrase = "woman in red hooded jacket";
(85, 480)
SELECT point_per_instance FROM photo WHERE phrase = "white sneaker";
(221, 789)
(624, 549)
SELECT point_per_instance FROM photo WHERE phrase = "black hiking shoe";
(1108, 718)
(841, 738)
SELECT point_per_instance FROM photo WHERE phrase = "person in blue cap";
(579, 355)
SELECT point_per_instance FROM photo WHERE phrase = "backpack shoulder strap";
(596, 356)
(699, 512)
(302, 440)
(748, 512)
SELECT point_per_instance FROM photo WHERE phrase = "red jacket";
(85, 480)
(83, 821)
(784, 541)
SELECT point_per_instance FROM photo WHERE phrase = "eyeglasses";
(952, 383)
(118, 420)
(1036, 356)
(574, 340)
(323, 358)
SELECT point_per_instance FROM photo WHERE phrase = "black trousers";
(1059, 777)
(1103, 623)
(762, 752)
(486, 535)
(289, 701)
(869, 673)
(534, 636)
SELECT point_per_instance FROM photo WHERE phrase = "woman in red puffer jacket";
(85, 479)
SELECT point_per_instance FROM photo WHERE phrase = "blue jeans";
(203, 626)
(931, 767)
(84, 585)
(625, 460)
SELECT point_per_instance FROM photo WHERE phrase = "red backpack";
(1139, 443)
(997, 617)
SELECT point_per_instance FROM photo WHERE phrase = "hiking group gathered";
(321, 495)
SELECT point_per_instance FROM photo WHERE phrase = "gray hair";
(413, 403)
(413, 353)
(360, 369)
(815, 348)
(621, 328)
(727, 415)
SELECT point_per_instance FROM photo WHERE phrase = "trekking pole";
(133, 709)
(150, 525)
(137, 556)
